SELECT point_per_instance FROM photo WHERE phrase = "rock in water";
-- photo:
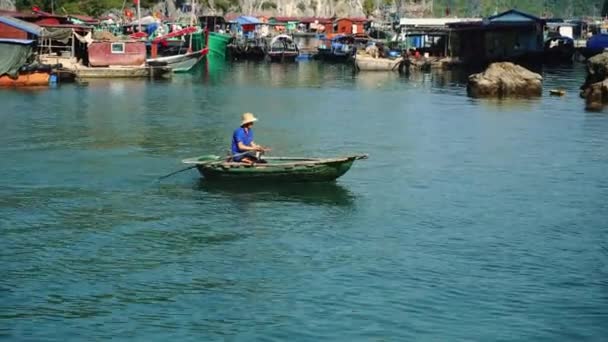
(505, 79)
(595, 89)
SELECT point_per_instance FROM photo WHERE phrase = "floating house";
(350, 25)
(429, 35)
(122, 53)
(290, 23)
(509, 36)
(247, 24)
(317, 24)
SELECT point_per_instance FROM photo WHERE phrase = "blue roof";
(245, 20)
(16, 41)
(21, 25)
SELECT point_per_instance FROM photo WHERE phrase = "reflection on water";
(329, 193)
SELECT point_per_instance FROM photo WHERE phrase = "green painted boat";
(276, 169)
(218, 43)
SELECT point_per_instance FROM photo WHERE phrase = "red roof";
(355, 19)
(72, 26)
(309, 20)
(18, 15)
(231, 16)
(285, 19)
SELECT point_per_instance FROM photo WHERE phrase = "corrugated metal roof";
(21, 25)
(16, 41)
(244, 20)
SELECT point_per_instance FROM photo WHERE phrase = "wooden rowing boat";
(276, 169)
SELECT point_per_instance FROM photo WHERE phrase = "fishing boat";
(16, 69)
(180, 62)
(275, 169)
(339, 48)
(559, 49)
(282, 49)
(30, 79)
(217, 39)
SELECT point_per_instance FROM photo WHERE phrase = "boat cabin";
(212, 23)
(560, 28)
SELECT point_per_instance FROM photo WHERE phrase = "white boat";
(367, 63)
(179, 63)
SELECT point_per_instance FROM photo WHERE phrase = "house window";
(118, 47)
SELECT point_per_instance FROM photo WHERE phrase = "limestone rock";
(595, 88)
(596, 95)
(504, 80)
(597, 69)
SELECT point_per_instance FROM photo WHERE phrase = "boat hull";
(559, 50)
(218, 43)
(180, 63)
(328, 56)
(282, 57)
(33, 79)
(277, 170)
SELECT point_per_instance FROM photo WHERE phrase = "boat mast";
(138, 15)
(192, 7)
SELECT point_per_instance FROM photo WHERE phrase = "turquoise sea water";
(471, 220)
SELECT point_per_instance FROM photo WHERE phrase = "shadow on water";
(329, 193)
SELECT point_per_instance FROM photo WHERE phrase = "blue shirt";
(242, 136)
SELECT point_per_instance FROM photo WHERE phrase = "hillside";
(461, 8)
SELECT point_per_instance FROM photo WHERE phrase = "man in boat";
(244, 149)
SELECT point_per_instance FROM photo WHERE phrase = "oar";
(176, 172)
(195, 165)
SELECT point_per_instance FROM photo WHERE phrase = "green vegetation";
(268, 5)
(551, 8)
(368, 7)
(461, 8)
(301, 6)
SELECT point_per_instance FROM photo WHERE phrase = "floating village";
(41, 48)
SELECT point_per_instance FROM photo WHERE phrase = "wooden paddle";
(215, 158)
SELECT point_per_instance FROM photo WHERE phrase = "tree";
(368, 7)
(605, 9)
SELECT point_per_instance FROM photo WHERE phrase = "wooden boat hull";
(34, 79)
(287, 170)
(180, 63)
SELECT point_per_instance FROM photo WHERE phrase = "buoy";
(557, 92)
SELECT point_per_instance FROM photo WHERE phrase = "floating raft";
(367, 63)
(276, 169)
